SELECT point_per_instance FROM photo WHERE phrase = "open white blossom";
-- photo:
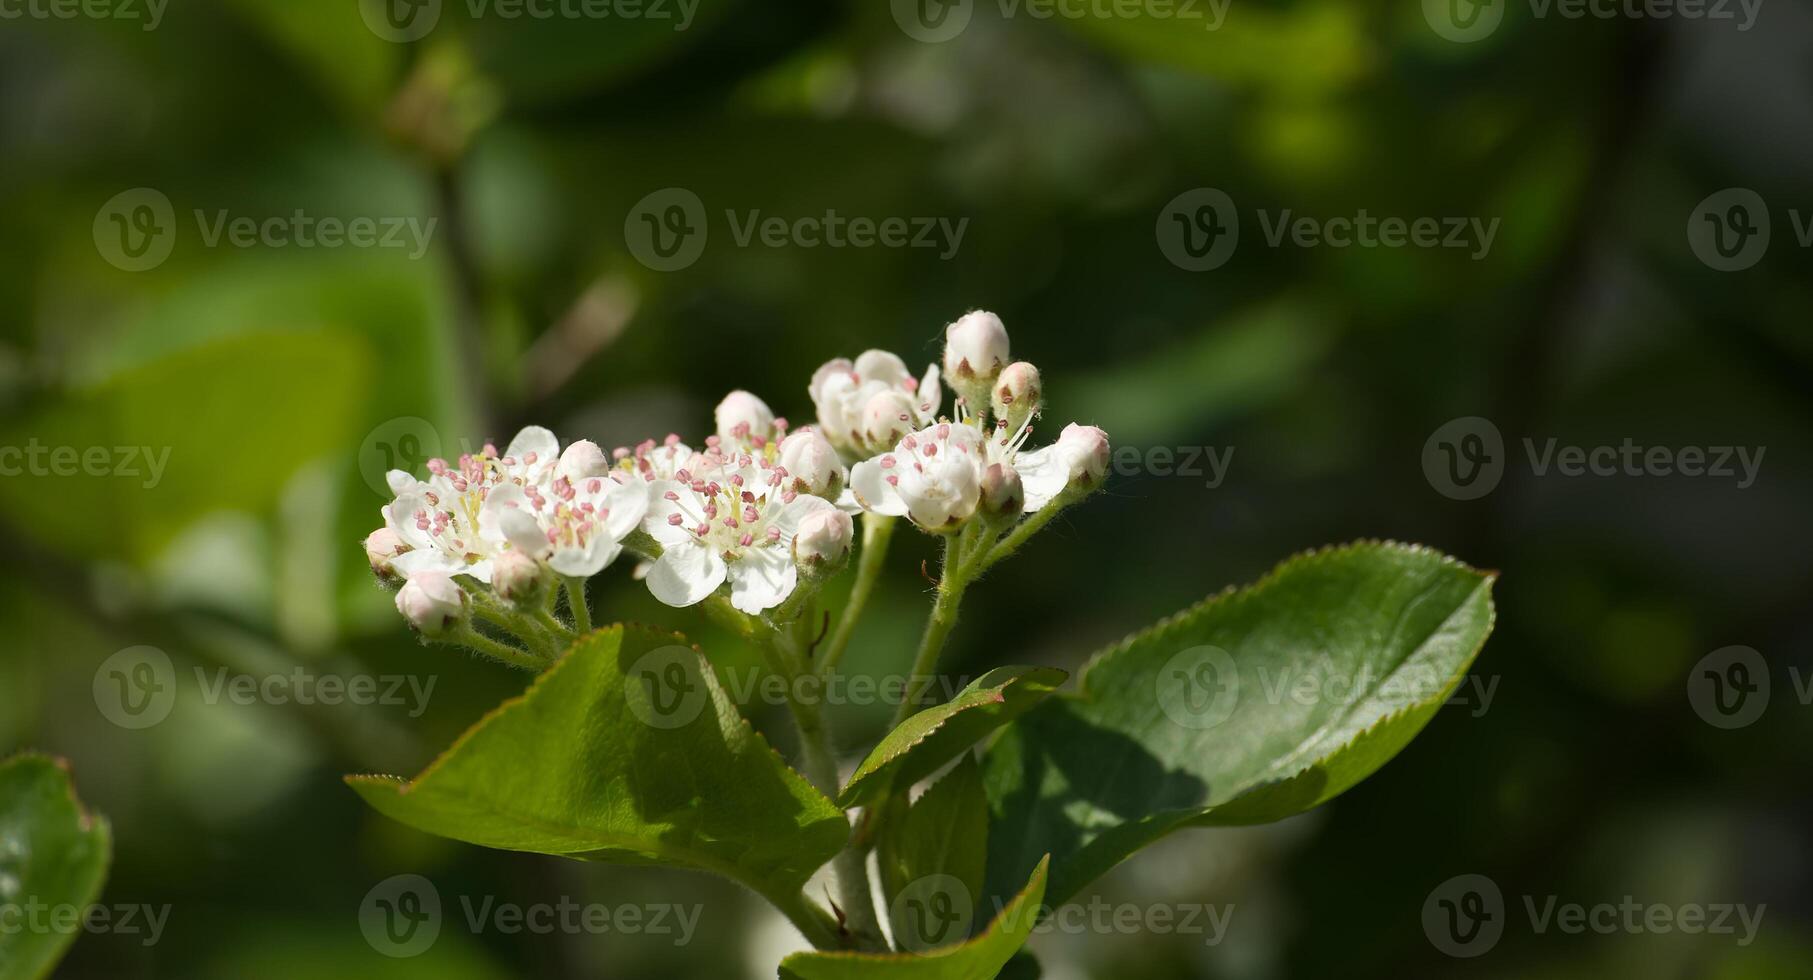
(933, 476)
(577, 528)
(444, 520)
(736, 525)
(844, 392)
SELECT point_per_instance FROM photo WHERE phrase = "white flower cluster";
(754, 513)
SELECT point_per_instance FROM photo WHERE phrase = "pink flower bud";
(583, 460)
(742, 417)
(975, 346)
(823, 539)
(516, 577)
(1086, 449)
(811, 463)
(1003, 496)
(432, 602)
(381, 546)
(1016, 394)
(887, 417)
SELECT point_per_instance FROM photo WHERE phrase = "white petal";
(930, 397)
(848, 503)
(400, 515)
(761, 579)
(827, 371)
(686, 574)
(659, 508)
(503, 498)
(627, 504)
(1044, 474)
(874, 492)
(539, 441)
(791, 514)
(523, 532)
(480, 570)
(411, 563)
(588, 561)
(401, 482)
(879, 365)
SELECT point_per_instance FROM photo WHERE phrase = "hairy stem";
(1017, 537)
(582, 615)
(468, 637)
(951, 586)
(877, 531)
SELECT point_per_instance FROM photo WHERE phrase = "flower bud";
(583, 460)
(1086, 449)
(380, 547)
(517, 578)
(811, 463)
(744, 418)
(886, 418)
(975, 351)
(1016, 394)
(432, 602)
(823, 540)
(1003, 496)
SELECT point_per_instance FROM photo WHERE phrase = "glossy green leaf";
(943, 833)
(977, 959)
(1249, 707)
(52, 852)
(935, 736)
(625, 751)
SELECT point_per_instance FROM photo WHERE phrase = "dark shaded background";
(272, 373)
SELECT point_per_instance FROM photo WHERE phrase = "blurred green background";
(279, 376)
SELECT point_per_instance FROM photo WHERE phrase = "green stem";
(813, 922)
(937, 627)
(468, 637)
(877, 531)
(1017, 537)
(523, 628)
(849, 868)
(582, 615)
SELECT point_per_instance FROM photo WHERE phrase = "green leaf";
(942, 835)
(52, 852)
(976, 959)
(1249, 707)
(625, 751)
(935, 736)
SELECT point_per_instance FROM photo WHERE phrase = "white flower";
(823, 539)
(738, 526)
(532, 498)
(651, 462)
(1016, 394)
(577, 528)
(442, 518)
(432, 602)
(811, 463)
(933, 476)
(1079, 458)
(842, 393)
(744, 420)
